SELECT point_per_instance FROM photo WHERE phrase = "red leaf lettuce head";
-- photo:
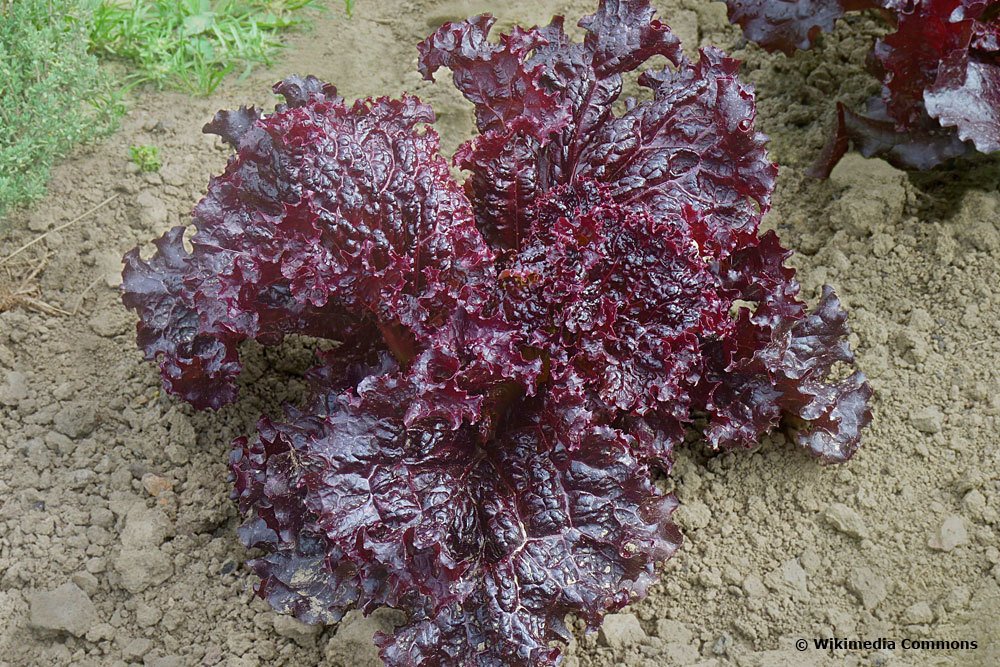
(940, 73)
(516, 354)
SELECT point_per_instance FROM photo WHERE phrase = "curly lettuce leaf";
(693, 144)
(329, 220)
(485, 547)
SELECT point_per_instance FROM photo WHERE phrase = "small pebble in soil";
(789, 579)
(109, 267)
(6, 356)
(14, 389)
(110, 323)
(352, 644)
(846, 520)
(140, 570)
(65, 609)
(136, 648)
(974, 503)
(695, 515)
(950, 534)
(927, 420)
(620, 630)
(918, 614)
(670, 630)
(141, 564)
(76, 420)
(958, 598)
(722, 644)
(145, 527)
(676, 654)
(868, 586)
(87, 582)
(754, 587)
(153, 213)
(147, 615)
(302, 633)
(156, 485)
(177, 454)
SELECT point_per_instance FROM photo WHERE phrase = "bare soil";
(117, 538)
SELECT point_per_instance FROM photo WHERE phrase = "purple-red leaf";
(330, 220)
(926, 34)
(966, 96)
(500, 541)
(617, 299)
(923, 146)
(693, 144)
(232, 125)
(495, 77)
(787, 25)
(779, 366)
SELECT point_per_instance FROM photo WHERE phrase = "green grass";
(147, 158)
(53, 94)
(191, 45)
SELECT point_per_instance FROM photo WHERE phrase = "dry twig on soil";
(24, 293)
(56, 229)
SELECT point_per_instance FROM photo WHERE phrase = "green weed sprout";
(147, 158)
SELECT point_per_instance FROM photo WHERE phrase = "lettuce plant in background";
(517, 354)
(940, 73)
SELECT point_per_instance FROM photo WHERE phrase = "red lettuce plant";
(940, 73)
(515, 355)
